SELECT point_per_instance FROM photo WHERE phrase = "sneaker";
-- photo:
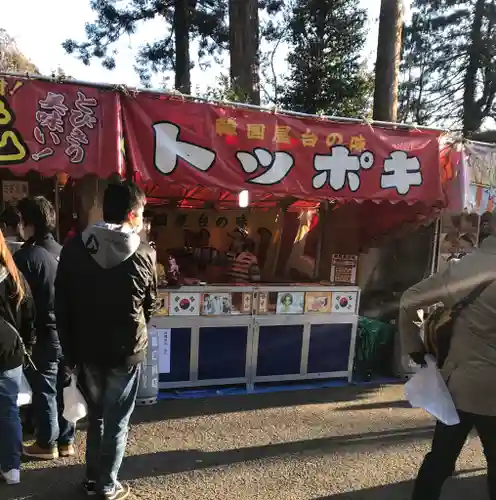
(12, 476)
(89, 487)
(36, 451)
(66, 450)
(119, 492)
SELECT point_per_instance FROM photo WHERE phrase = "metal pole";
(56, 202)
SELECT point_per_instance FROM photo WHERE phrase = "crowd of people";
(78, 310)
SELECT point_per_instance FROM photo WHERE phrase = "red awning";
(181, 149)
(59, 127)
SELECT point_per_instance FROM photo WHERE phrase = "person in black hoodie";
(17, 334)
(105, 294)
(37, 260)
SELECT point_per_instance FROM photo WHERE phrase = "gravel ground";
(326, 444)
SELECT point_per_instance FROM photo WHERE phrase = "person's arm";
(151, 303)
(27, 315)
(437, 288)
(63, 307)
(254, 271)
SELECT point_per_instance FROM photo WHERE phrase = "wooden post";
(243, 47)
(388, 60)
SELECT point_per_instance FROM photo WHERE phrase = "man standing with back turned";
(106, 291)
(38, 259)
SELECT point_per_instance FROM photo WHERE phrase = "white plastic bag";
(427, 390)
(25, 395)
(75, 407)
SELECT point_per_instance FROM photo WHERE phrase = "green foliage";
(207, 23)
(327, 74)
(449, 63)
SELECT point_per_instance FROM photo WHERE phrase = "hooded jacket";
(105, 294)
(21, 318)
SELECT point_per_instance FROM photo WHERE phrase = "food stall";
(471, 190)
(311, 192)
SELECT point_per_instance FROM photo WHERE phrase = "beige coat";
(470, 368)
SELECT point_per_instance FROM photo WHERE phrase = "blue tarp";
(265, 389)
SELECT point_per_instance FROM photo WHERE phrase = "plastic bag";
(25, 395)
(427, 390)
(75, 407)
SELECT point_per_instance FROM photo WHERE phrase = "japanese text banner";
(177, 145)
(51, 128)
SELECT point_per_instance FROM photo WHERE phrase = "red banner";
(184, 148)
(53, 128)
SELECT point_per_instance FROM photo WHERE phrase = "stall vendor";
(244, 268)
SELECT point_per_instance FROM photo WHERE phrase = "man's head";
(249, 245)
(11, 221)
(38, 217)
(124, 203)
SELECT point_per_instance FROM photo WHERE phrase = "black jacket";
(37, 259)
(105, 293)
(21, 318)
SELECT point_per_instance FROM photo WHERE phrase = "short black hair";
(11, 217)
(38, 212)
(249, 245)
(120, 199)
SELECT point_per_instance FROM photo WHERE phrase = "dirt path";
(329, 444)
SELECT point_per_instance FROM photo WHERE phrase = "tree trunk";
(243, 45)
(181, 32)
(472, 117)
(388, 61)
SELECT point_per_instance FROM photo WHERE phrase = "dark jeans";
(447, 444)
(111, 397)
(10, 422)
(47, 384)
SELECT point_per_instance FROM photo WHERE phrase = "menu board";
(344, 268)
(318, 302)
(246, 304)
(263, 303)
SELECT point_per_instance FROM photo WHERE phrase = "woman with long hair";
(17, 336)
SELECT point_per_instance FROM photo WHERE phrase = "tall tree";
(449, 63)
(326, 73)
(243, 48)
(183, 20)
(12, 60)
(388, 60)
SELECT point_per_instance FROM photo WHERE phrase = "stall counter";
(229, 334)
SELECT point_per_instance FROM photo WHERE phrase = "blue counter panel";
(279, 350)
(180, 355)
(329, 348)
(222, 352)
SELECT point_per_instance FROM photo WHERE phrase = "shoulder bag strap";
(469, 299)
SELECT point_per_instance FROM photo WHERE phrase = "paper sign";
(164, 350)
